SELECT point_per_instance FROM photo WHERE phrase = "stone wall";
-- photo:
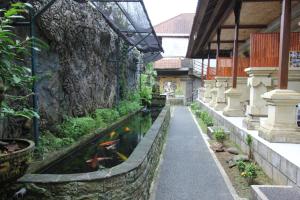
(276, 166)
(130, 180)
(77, 74)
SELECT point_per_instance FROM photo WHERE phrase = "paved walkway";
(188, 171)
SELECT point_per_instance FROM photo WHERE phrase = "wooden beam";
(285, 29)
(237, 12)
(218, 47)
(214, 22)
(202, 68)
(246, 26)
(208, 59)
(227, 41)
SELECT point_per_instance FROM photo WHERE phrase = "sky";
(161, 10)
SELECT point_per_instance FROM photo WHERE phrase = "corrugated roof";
(180, 24)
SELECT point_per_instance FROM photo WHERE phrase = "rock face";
(76, 74)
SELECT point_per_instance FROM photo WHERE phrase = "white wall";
(174, 47)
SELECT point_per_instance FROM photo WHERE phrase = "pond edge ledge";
(136, 159)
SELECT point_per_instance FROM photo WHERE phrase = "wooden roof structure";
(256, 16)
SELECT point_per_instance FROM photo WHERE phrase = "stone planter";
(14, 165)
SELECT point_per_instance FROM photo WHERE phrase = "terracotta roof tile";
(180, 24)
(168, 63)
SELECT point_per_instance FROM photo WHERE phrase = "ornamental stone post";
(213, 97)
(237, 98)
(208, 85)
(222, 84)
(234, 107)
(281, 123)
(260, 82)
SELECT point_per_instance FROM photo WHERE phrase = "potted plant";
(15, 91)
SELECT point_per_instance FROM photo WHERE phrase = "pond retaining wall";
(129, 180)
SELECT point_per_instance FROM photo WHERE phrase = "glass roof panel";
(130, 20)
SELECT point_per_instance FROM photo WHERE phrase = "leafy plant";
(220, 135)
(77, 127)
(15, 78)
(250, 172)
(206, 118)
(241, 165)
(249, 141)
(195, 106)
(147, 82)
(125, 107)
(198, 113)
(106, 115)
(49, 142)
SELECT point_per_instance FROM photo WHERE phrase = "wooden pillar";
(237, 11)
(202, 69)
(208, 60)
(218, 47)
(285, 29)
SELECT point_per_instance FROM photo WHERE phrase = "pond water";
(108, 149)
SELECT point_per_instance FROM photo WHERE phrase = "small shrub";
(241, 165)
(77, 127)
(249, 141)
(220, 135)
(106, 115)
(126, 107)
(49, 142)
(206, 118)
(198, 113)
(250, 172)
(195, 106)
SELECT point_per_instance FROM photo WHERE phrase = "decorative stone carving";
(281, 125)
(208, 85)
(213, 97)
(260, 82)
(222, 84)
(233, 108)
(201, 93)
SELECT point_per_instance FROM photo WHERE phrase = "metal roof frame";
(145, 40)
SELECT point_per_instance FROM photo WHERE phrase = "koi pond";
(107, 149)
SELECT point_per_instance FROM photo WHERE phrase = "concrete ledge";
(280, 161)
(268, 192)
(129, 180)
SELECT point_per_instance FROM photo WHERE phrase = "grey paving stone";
(188, 171)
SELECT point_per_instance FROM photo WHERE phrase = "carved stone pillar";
(213, 100)
(281, 123)
(222, 84)
(234, 107)
(208, 85)
(260, 82)
(201, 93)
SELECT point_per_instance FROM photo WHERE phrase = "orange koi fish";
(109, 143)
(122, 156)
(111, 147)
(127, 129)
(112, 134)
(94, 161)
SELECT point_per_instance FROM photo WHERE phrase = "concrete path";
(188, 171)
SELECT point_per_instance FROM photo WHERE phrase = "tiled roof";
(181, 24)
(168, 63)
